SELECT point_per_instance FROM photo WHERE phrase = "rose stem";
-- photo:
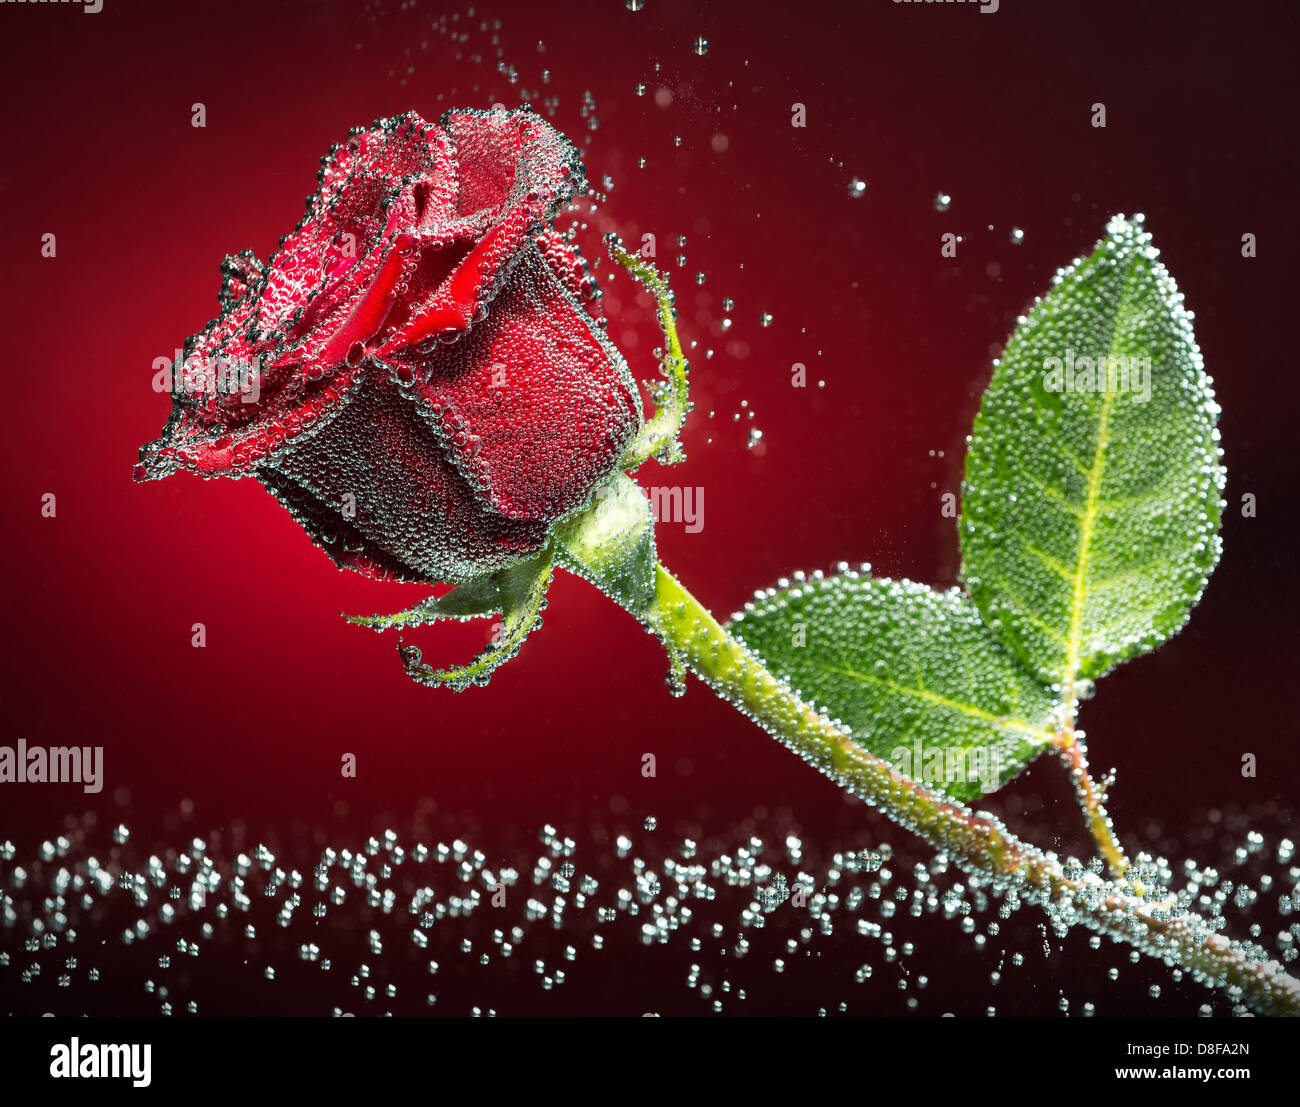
(1075, 759)
(978, 843)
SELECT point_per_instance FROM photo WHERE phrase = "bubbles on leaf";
(1090, 518)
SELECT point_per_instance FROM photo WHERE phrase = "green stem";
(977, 842)
(1091, 801)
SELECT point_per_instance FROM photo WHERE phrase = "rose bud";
(434, 390)
(420, 373)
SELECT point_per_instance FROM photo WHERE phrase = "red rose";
(420, 373)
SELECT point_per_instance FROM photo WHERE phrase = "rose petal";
(364, 198)
(302, 328)
(534, 397)
(240, 275)
(328, 530)
(515, 172)
(571, 268)
(412, 508)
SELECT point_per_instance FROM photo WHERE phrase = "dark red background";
(915, 99)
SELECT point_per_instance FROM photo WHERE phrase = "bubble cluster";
(400, 924)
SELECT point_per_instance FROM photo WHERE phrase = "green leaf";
(518, 593)
(474, 599)
(612, 543)
(913, 673)
(1090, 519)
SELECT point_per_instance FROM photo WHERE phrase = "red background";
(915, 99)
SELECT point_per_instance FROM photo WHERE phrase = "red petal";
(571, 269)
(240, 274)
(303, 326)
(346, 546)
(366, 196)
(534, 398)
(415, 515)
(515, 172)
